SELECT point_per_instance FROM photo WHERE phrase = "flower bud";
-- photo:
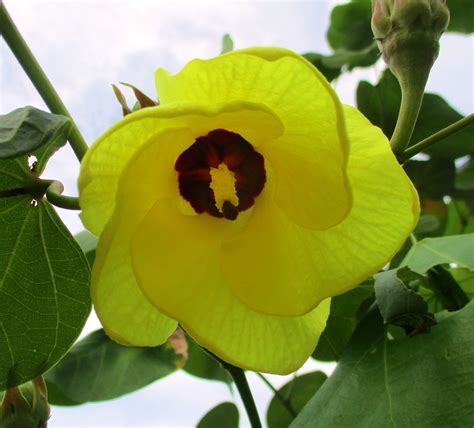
(408, 33)
(25, 406)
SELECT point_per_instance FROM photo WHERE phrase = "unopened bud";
(408, 33)
(25, 406)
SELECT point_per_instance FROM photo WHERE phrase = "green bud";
(408, 33)
(25, 406)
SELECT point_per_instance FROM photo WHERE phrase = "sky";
(85, 46)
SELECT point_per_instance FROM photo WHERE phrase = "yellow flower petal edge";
(106, 158)
(311, 156)
(124, 312)
(186, 281)
(298, 268)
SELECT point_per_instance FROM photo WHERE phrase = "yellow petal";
(277, 267)
(127, 316)
(310, 158)
(107, 157)
(176, 262)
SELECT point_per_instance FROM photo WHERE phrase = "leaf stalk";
(438, 136)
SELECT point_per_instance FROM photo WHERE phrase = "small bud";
(25, 406)
(408, 33)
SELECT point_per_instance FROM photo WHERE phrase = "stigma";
(223, 186)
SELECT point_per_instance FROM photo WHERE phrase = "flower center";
(220, 174)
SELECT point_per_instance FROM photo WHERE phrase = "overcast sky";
(86, 46)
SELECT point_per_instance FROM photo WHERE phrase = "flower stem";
(37, 76)
(412, 97)
(244, 390)
(438, 136)
(53, 194)
(284, 401)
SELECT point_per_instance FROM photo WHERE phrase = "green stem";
(285, 402)
(412, 97)
(53, 194)
(438, 136)
(244, 390)
(37, 76)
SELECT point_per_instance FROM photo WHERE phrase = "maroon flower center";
(220, 174)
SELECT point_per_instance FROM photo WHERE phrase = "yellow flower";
(237, 207)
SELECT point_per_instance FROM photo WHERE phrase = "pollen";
(223, 185)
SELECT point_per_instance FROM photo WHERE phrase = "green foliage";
(433, 179)
(342, 321)
(319, 61)
(88, 243)
(350, 26)
(223, 415)
(227, 44)
(380, 104)
(201, 364)
(44, 289)
(27, 129)
(465, 177)
(421, 381)
(44, 285)
(351, 38)
(296, 393)
(97, 368)
(434, 251)
(462, 16)
(399, 304)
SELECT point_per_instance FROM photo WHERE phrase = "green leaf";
(465, 280)
(88, 243)
(44, 280)
(224, 415)
(342, 322)
(44, 289)
(227, 44)
(351, 59)
(380, 104)
(433, 179)
(27, 129)
(421, 381)
(432, 219)
(462, 16)
(349, 26)
(318, 60)
(297, 392)
(97, 368)
(201, 364)
(465, 176)
(434, 251)
(400, 305)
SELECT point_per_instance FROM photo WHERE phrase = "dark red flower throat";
(221, 174)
